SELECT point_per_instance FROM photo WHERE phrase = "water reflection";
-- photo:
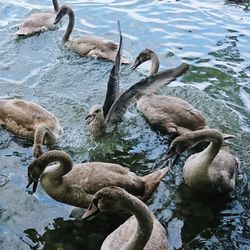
(73, 234)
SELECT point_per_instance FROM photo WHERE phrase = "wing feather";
(113, 87)
(145, 86)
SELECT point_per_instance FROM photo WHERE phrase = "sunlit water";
(212, 36)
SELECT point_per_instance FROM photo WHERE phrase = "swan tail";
(152, 181)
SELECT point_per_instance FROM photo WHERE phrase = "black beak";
(34, 185)
(58, 18)
(172, 156)
(89, 118)
(136, 64)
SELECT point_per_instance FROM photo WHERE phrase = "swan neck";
(144, 227)
(70, 26)
(216, 140)
(64, 166)
(98, 126)
(56, 5)
(155, 64)
(212, 150)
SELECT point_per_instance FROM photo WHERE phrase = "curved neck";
(42, 135)
(155, 64)
(56, 171)
(56, 5)
(69, 27)
(144, 227)
(214, 137)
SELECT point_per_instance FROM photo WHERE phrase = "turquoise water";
(212, 36)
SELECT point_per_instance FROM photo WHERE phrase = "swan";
(30, 120)
(211, 170)
(75, 184)
(142, 231)
(115, 105)
(168, 114)
(88, 45)
(38, 22)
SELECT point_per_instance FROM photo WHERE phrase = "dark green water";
(212, 36)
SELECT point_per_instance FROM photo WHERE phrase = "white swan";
(142, 231)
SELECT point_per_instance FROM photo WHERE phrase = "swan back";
(23, 117)
(38, 22)
(170, 114)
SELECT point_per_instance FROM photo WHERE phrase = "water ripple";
(213, 36)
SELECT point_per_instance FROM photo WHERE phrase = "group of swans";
(85, 46)
(107, 186)
(211, 170)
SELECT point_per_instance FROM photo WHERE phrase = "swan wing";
(143, 87)
(113, 87)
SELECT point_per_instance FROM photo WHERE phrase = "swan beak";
(58, 18)
(172, 154)
(34, 185)
(91, 211)
(90, 118)
(136, 64)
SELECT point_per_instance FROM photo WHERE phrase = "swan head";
(34, 173)
(96, 120)
(107, 199)
(62, 12)
(177, 147)
(144, 56)
(95, 114)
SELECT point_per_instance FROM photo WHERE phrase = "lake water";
(213, 36)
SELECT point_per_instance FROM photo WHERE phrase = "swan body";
(86, 46)
(30, 120)
(75, 184)
(38, 22)
(211, 170)
(142, 231)
(168, 114)
(116, 104)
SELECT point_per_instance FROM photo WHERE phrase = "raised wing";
(113, 87)
(145, 86)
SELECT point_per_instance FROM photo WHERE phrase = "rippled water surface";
(212, 36)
